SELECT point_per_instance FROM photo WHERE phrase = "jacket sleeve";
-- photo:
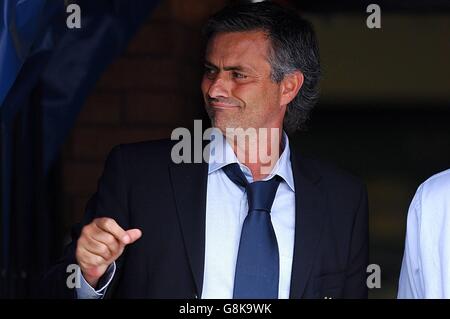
(110, 200)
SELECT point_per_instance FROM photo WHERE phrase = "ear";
(290, 86)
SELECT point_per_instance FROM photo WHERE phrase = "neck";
(259, 150)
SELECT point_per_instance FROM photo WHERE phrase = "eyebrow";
(229, 68)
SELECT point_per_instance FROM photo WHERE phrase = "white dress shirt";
(426, 262)
(226, 209)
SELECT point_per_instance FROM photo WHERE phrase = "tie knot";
(261, 194)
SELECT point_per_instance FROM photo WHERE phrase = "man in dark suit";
(282, 226)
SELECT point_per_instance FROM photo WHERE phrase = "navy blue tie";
(258, 261)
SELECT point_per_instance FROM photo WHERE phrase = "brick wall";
(151, 89)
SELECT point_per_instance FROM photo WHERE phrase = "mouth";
(222, 106)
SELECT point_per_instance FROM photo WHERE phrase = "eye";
(238, 75)
(209, 72)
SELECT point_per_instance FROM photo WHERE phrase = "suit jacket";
(142, 188)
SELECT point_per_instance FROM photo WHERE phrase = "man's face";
(237, 85)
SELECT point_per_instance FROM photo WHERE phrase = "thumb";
(134, 234)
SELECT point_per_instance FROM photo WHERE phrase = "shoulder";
(332, 175)
(437, 187)
(432, 198)
(149, 156)
(157, 149)
(342, 189)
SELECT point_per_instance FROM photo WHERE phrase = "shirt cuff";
(85, 291)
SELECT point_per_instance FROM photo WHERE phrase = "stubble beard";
(223, 122)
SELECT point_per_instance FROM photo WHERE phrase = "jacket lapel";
(189, 183)
(309, 215)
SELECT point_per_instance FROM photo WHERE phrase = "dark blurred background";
(132, 73)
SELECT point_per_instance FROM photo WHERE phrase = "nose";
(218, 87)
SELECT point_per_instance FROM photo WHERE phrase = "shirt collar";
(221, 154)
